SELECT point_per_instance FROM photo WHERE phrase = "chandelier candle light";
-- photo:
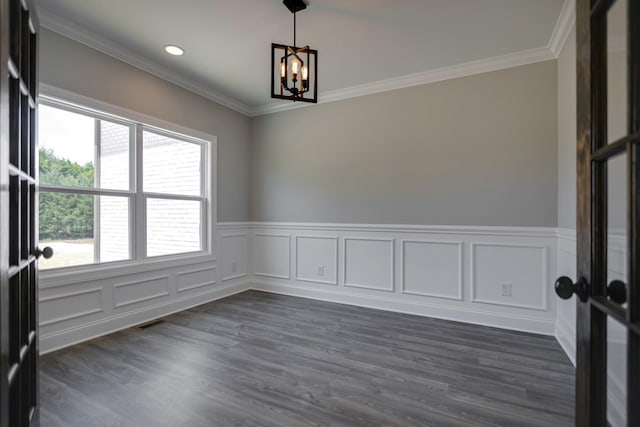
(294, 70)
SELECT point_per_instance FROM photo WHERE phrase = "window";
(112, 189)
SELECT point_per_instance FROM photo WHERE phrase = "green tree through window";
(65, 216)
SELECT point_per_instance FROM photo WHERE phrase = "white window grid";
(135, 194)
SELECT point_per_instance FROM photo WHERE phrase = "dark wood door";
(602, 301)
(18, 214)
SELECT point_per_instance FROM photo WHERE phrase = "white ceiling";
(368, 44)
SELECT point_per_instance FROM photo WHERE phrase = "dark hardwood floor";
(258, 359)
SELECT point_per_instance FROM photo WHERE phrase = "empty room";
(319, 213)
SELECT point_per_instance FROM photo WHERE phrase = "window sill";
(73, 275)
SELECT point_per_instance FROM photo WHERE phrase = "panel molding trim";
(70, 294)
(192, 287)
(76, 315)
(543, 285)
(85, 331)
(235, 276)
(335, 259)
(196, 270)
(179, 274)
(277, 276)
(345, 261)
(403, 290)
(121, 304)
(244, 255)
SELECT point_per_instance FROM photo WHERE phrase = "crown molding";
(445, 73)
(84, 36)
(563, 27)
(551, 51)
(559, 37)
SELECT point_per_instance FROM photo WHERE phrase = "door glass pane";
(171, 166)
(173, 226)
(74, 146)
(617, 219)
(83, 229)
(616, 373)
(617, 71)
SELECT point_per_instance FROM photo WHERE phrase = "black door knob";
(617, 292)
(47, 252)
(565, 288)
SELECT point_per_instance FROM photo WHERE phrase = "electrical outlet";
(321, 271)
(506, 289)
(234, 267)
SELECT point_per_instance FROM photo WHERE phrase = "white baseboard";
(459, 314)
(87, 331)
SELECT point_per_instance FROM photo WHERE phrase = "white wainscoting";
(78, 301)
(494, 265)
(271, 255)
(234, 257)
(431, 268)
(76, 307)
(454, 273)
(195, 278)
(140, 290)
(317, 259)
(368, 263)
(565, 331)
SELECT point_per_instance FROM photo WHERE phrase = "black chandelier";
(294, 70)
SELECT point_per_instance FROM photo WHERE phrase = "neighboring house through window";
(113, 189)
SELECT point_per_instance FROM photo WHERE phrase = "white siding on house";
(113, 158)
(171, 166)
(173, 226)
(112, 213)
(112, 228)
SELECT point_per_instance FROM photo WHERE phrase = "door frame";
(19, 32)
(593, 151)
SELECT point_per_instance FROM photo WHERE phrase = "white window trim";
(139, 262)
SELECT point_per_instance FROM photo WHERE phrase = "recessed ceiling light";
(174, 50)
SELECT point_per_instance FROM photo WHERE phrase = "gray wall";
(617, 117)
(478, 150)
(72, 66)
(567, 133)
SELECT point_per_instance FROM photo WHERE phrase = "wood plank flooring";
(258, 359)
